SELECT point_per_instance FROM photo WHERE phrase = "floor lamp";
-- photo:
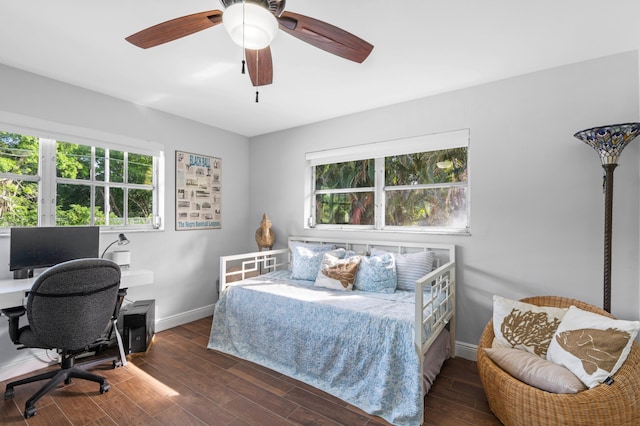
(609, 141)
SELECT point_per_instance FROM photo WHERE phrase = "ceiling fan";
(252, 24)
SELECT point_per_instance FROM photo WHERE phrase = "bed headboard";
(444, 252)
(246, 265)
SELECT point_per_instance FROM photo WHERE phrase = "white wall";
(185, 263)
(537, 208)
(536, 191)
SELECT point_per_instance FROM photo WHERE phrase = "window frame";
(379, 151)
(48, 180)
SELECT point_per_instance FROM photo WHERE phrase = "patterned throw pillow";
(337, 273)
(524, 326)
(306, 258)
(376, 274)
(592, 346)
(410, 266)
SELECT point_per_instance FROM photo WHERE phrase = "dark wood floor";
(180, 382)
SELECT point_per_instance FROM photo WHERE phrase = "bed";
(379, 351)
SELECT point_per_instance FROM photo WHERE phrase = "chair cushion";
(27, 337)
(70, 304)
(535, 371)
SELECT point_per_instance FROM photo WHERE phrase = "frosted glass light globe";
(250, 25)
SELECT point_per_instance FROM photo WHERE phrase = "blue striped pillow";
(410, 267)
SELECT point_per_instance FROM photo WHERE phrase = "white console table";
(12, 292)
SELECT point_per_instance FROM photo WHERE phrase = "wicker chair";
(516, 403)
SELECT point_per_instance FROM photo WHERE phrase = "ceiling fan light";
(250, 25)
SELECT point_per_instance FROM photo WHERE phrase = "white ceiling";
(422, 48)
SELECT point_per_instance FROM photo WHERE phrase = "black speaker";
(138, 326)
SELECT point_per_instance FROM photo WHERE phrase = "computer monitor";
(41, 247)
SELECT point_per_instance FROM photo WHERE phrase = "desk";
(12, 292)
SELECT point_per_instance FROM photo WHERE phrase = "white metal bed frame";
(441, 311)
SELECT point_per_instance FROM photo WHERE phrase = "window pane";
(116, 206)
(116, 166)
(352, 208)
(73, 161)
(100, 164)
(73, 205)
(18, 203)
(351, 174)
(98, 209)
(448, 165)
(442, 207)
(140, 206)
(18, 198)
(18, 154)
(140, 169)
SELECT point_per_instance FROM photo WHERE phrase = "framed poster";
(198, 192)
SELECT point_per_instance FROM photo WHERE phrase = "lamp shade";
(609, 141)
(250, 25)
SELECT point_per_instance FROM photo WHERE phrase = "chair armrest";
(15, 312)
(14, 315)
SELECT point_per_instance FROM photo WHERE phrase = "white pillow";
(592, 346)
(535, 371)
(524, 326)
(337, 273)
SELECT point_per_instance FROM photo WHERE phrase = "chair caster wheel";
(8, 394)
(104, 387)
(29, 412)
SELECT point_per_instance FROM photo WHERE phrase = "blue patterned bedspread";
(357, 346)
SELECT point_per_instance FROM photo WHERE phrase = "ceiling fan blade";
(175, 29)
(260, 66)
(325, 36)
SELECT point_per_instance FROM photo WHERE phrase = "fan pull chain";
(243, 50)
(257, 74)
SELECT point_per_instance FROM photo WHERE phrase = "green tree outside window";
(89, 181)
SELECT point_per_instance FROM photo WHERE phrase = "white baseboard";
(30, 360)
(183, 318)
(467, 351)
(33, 359)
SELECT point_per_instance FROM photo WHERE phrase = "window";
(416, 184)
(53, 182)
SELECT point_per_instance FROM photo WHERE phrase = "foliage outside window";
(18, 180)
(82, 185)
(345, 193)
(422, 191)
(427, 189)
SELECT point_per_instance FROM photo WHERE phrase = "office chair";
(69, 307)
